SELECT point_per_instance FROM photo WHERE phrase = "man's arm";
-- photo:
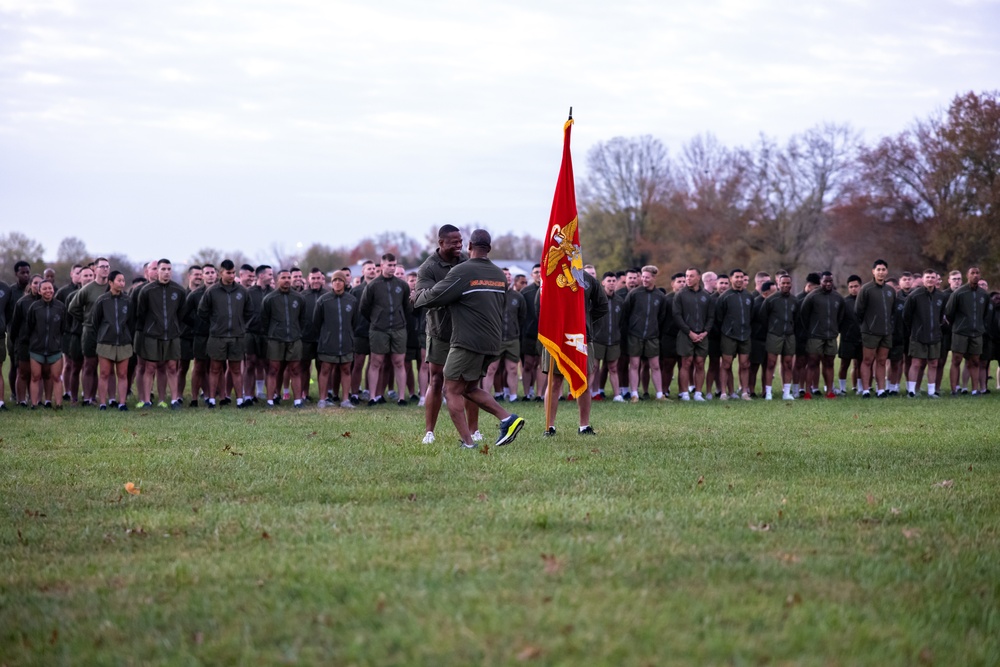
(443, 293)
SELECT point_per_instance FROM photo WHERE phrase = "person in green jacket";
(874, 309)
(474, 291)
(966, 312)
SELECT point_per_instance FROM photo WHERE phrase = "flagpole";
(550, 405)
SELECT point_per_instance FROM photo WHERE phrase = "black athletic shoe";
(354, 399)
(193, 403)
(550, 432)
(508, 430)
(226, 401)
(102, 407)
(911, 394)
(122, 408)
(176, 404)
(402, 403)
(587, 430)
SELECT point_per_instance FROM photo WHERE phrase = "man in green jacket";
(966, 312)
(474, 293)
(874, 309)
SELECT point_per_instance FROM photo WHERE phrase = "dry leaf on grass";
(529, 652)
(894, 510)
(345, 434)
(946, 484)
(760, 527)
(552, 564)
(132, 488)
(701, 480)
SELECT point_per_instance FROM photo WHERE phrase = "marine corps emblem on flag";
(564, 256)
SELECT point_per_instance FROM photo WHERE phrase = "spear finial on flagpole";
(571, 113)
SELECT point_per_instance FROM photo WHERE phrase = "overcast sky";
(158, 128)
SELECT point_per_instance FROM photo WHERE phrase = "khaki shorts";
(687, 348)
(466, 365)
(335, 358)
(607, 353)
(437, 351)
(824, 348)
(732, 347)
(158, 350)
(920, 350)
(387, 342)
(279, 350)
(646, 349)
(872, 342)
(225, 348)
(510, 350)
(969, 345)
(115, 353)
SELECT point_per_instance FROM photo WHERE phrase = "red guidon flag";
(562, 324)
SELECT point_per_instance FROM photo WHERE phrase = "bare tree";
(627, 182)
(14, 247)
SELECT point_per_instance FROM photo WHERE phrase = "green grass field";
(830, 532)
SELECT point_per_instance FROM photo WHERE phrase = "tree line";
(928, 197)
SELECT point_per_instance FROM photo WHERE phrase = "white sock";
(659, 394)
(931, 388)
(911, 387)
(685, 394)
(795, 388)
(270, 401)
(513, 397)
(260, 387)
(767, 392)
(298, 401)
(786, 388)
(859, 386)
(843, 385)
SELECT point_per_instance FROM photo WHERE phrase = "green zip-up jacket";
(431, 272)
(874, 309)
(694, 310)
(779, 312)
(334, 319)
(228, 310)
(45, 323)
(922, 315)
(160, 309)
(966, 310)
(475, 292)
(386, 304)
(283, 316)
(734, 314)
(644, 313)
(822, 314)
(112, 318)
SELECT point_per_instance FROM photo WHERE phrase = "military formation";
(251, 335)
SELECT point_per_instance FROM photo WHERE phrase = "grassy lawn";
(828, 532)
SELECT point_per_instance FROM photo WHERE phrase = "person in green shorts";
(822, 314)
(779, 314)
(474, 293)
(607, 342)
(19, 341)
(514, 313)
(386, 304)
(334, 319)
(45, 324)
(966, 310)
(315, 288)
(159, 313)
(922, 315)
(227, 308)
(733, 318)
(80, 307)
(643, 316)
(874, 309)
(694, 315)
(283, 318)
(113, 326)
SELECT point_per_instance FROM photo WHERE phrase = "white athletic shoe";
(420, 403)
(429, 438)
(618, 399)
(787, 397)
(477, 436)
